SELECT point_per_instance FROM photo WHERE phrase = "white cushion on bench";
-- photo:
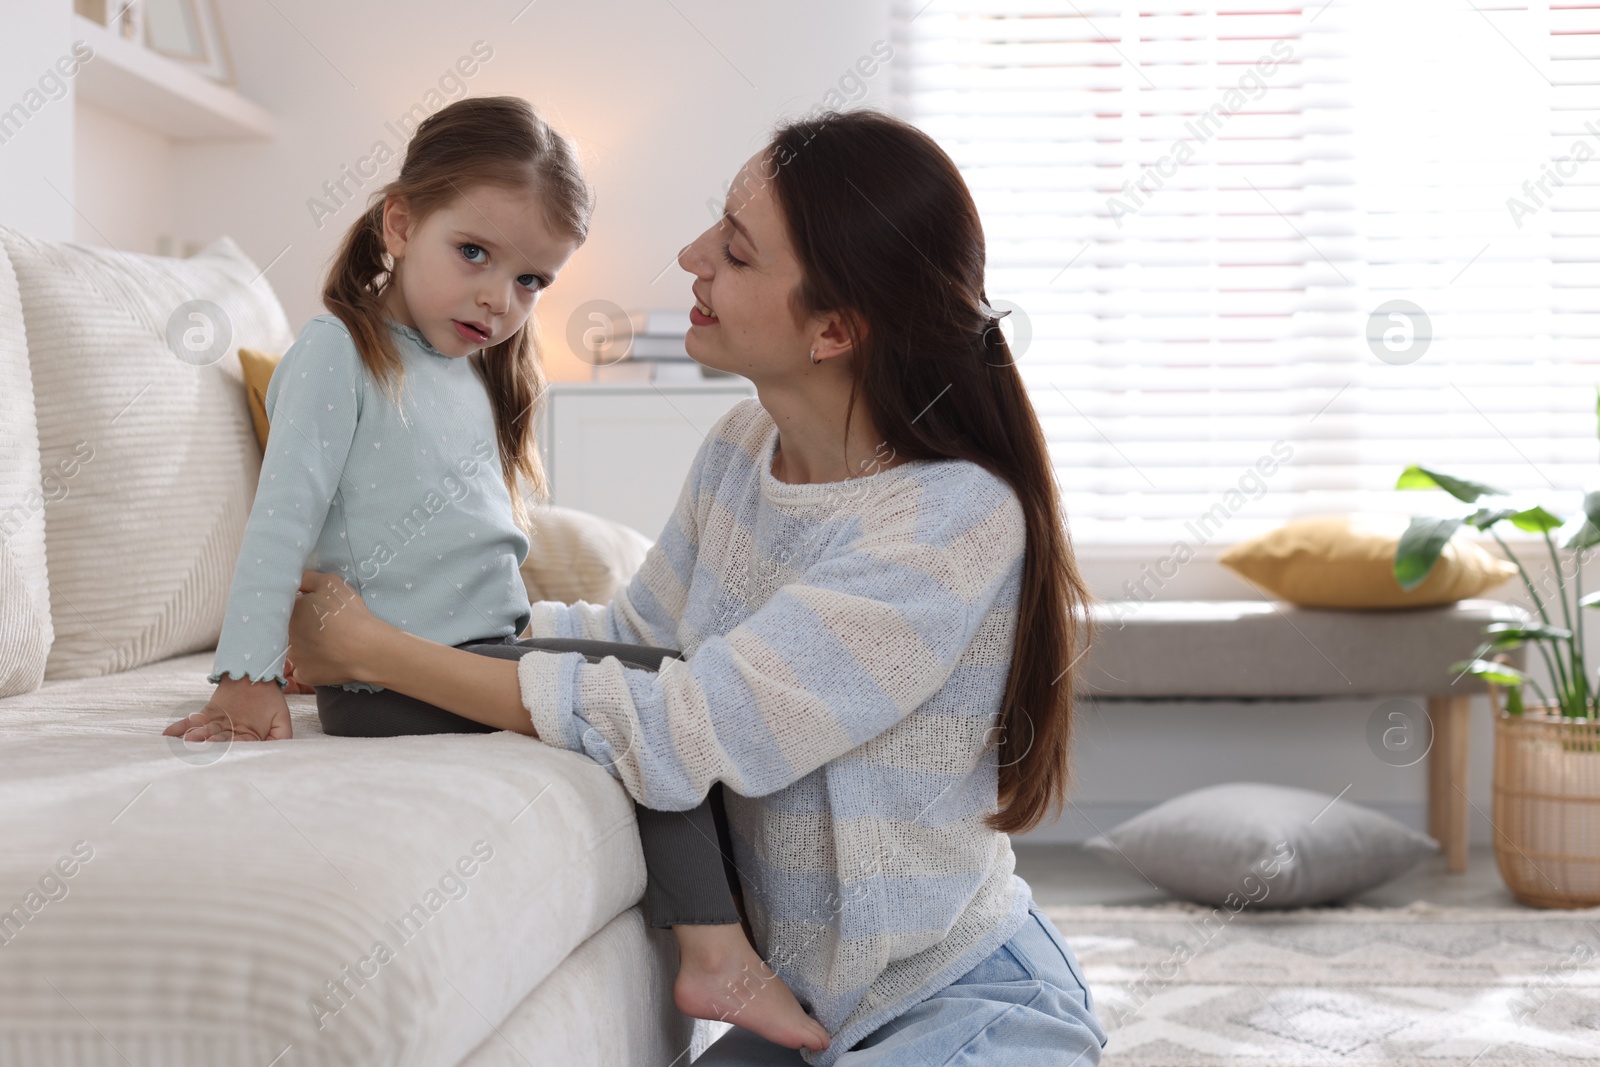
(1240, 648)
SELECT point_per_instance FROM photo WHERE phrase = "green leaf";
(1514, 700)
(1419, 549)
(1536, 520)
(1503, 644)
(1588, 536)
(1415, 477)
(1537, 631)
(1592, 600)
(1489, 671)
(1484, 518)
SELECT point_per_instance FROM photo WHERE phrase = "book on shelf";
(651, 346)
(656, 351)
(659, 322)
(656, 370)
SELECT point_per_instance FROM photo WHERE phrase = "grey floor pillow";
(1265, 846)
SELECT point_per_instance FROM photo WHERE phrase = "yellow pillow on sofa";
(258, 368)
(1347, 561)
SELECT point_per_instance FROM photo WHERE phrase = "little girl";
(400, 424)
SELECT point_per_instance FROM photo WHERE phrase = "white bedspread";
(313, 901)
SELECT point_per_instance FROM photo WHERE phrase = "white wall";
(36, 188)
(125, 196)
(661, 108)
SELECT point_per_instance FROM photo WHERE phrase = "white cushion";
(25, 632)
(141, 550)
(1182, 649)
(575, 555)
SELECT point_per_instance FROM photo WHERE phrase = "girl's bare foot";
(721, 977)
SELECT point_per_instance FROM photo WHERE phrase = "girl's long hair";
(885, 229)
(495, 140)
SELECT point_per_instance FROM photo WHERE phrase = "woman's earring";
(813, 357)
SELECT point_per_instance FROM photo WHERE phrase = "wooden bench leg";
(1447, 778)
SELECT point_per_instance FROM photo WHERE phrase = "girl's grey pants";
(689, 872)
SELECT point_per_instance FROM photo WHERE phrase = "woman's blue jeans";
(1027, 1005)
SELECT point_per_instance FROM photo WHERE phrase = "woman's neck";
(811, 430)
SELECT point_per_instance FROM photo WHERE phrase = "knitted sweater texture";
(847, 649)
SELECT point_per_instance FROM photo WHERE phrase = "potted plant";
(1547, 747)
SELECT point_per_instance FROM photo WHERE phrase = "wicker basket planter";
(1547, 807)
(1547, 741)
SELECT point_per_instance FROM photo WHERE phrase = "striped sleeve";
(828, 662)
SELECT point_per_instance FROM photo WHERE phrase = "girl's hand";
(239, 710)
(329, 629)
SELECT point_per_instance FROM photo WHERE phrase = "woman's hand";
(329, 630)
(333, 638)
(296, 685)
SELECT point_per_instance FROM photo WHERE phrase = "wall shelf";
(148, 88)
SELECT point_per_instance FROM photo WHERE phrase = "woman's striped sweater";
(847, 649)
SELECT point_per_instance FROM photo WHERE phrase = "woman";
(870, 579)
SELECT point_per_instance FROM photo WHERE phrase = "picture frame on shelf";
(219, 67)
(93, 10)
(127, 18)
(122, 17)
(189, 32)
(172, 29)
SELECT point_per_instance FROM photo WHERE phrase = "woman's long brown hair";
(495, 140)
(886, 230)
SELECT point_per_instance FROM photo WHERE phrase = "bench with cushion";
(1267, 650)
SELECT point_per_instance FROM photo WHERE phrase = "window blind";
(1265, 255)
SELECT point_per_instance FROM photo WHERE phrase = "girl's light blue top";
(405, 502)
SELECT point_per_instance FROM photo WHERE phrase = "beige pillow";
(575, 555)
(1347, 561)
(141, 549)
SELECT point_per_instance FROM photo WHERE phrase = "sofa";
(458, 899)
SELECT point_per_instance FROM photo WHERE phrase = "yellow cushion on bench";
(1347, 561)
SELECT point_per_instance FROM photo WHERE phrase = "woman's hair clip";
(991, 314)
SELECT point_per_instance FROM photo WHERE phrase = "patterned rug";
(1185, 986)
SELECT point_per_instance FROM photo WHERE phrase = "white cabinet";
(623, 451)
